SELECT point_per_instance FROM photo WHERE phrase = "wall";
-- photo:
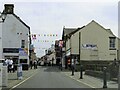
(97, 35)
(12, 28)
(75, 43)
(67, 46)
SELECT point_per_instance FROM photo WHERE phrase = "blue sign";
(22, 52)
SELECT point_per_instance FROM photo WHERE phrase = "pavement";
(13, 79)
(91, 81)
(87, 80)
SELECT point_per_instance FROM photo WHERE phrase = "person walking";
(5, 62)
(35, 64)
(73, 65)
(10, 63)
(31, 64)
(69, 67)
(52, 61)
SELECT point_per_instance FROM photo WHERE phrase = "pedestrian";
(75, 62)
(73, 65)
(10, 63)
(5, 62)
(69, 64)
(52, 61)
(35, 64)
(31, 64)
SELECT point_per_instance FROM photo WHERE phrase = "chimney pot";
(9, 8)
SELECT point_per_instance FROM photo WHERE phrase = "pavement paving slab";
(91, 81)
(13, 79)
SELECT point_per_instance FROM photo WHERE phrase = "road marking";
(22, 81)
(79, 81)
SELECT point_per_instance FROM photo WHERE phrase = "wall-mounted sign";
(22, 52)
(89, 46)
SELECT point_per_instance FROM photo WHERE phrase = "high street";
(50, 77)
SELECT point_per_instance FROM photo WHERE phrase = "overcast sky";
(49, 16)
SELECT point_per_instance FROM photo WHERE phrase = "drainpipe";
(79, 46)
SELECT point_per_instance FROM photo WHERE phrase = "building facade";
(15, 39)
(91, 43)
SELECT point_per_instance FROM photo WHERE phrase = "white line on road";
(80, 81)
(22, 81)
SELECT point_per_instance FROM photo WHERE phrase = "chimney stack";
(9, 8)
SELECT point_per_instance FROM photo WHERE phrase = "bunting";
(44, 41)
(49, 35)
(34, 36)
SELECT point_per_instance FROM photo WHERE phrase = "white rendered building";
(14, 37)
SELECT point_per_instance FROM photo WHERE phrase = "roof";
(21, 21)
(67, 31)
(18, 19)
(70, 31)
(76, 30)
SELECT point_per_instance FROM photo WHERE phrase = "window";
(112, 43)
(23, 44)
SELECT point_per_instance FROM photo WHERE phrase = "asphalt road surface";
(50, 77)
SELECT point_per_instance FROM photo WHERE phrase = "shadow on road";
(51, 69)
(54, 69)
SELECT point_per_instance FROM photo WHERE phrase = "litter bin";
(19, 71)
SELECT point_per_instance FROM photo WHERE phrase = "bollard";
(104, 78)
(81, 71)
(72, 67)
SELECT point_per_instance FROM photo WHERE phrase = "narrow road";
(50, 77)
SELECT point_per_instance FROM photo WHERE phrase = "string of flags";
(34, 36)
(38, 48)
(45, 40)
